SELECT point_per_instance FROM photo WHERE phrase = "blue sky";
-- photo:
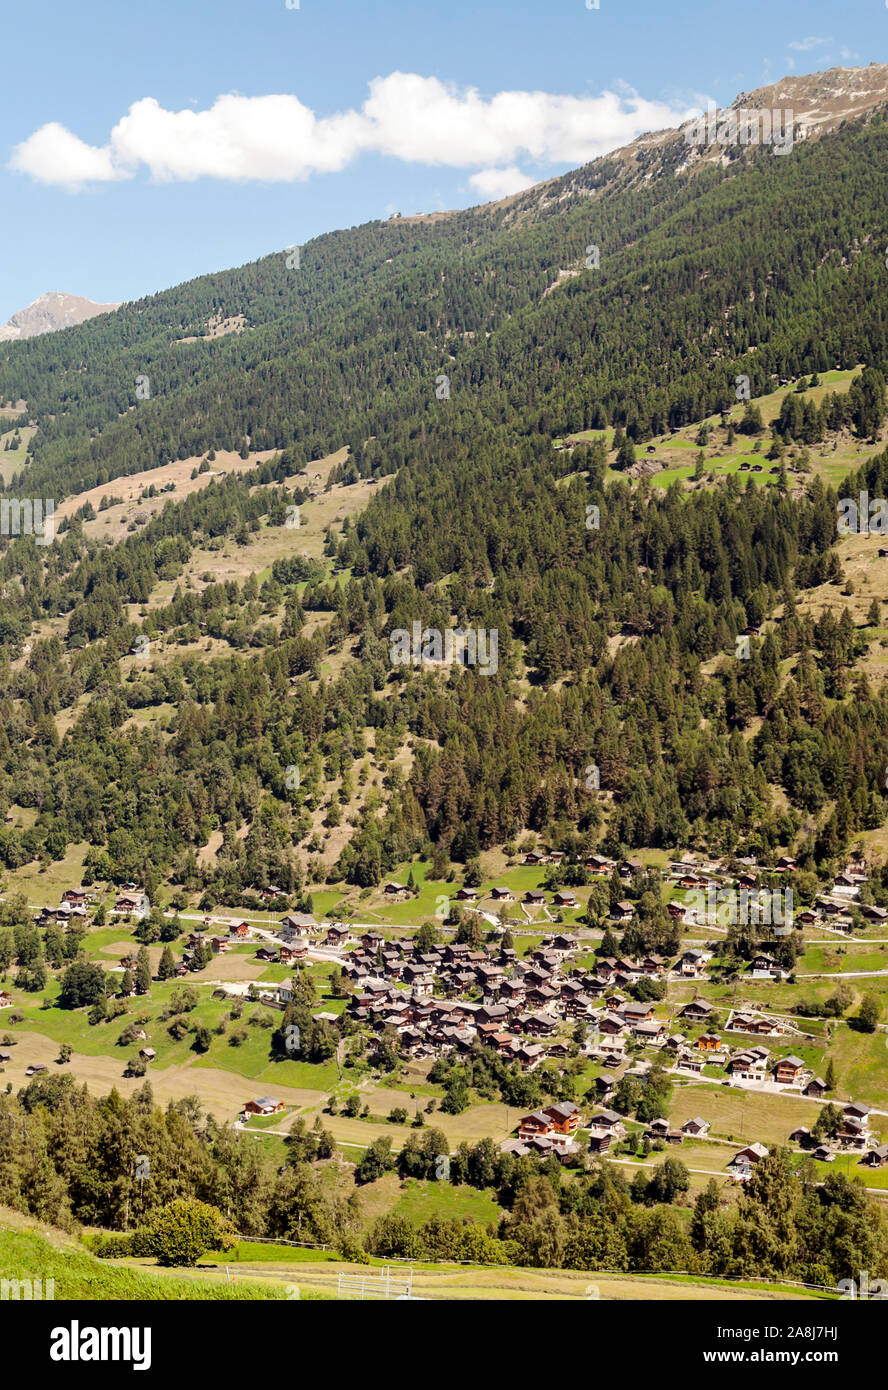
(131, 131)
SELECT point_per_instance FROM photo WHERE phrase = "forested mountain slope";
(761, 267)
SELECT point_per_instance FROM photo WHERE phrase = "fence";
(378, 1285)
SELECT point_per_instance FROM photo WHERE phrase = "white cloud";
(53, 155)
(406, 116)
(805, 45)
(500, 183)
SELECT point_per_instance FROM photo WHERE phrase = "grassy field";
(473, 1283)
(31, 1251)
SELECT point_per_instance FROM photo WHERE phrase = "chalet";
(529, 1055)
(534, 858)
(35, 1069)
(758, 1024)
(271, 892)
(266, 953)
(690, 1061)
(534, 896)
(749, 1066)
(291, 953)
(490, 977)
(745, 1160)
(824, 1154)
(297, 927)
(829, 908)
(698, 1011)
(5, 999)
(709, 1042)
(337, 936)
(762, 963)
(604, 1086)
(220, 944)
(785, 864)
(266, 1105)
(538, 1025)
(74, 897)
(659, 1129)
(788, 1070)
(696, 1128)
(852, 1134)
(492, 1013)
(815, 1089)
(876, 1158)
(415, 972)
(693, 963)
(147, 1054)
(501, 895)
(845, 886)
(652, 965)
(611, 1026)
(512, 991)
(411, 1041)
(564, 1117)
(600, 1139)
(598, 866)
(801, 1135)
(855, 1111)
(563, 899)
(456, 951)
(638, 1013)
(395, 890)
(610, 1120)
(466, 895)
(623, 913)
(561, 945)
(676, 910)
(372, 940)
(652, 1032)
(691, 881)
(240, 932)
(531, 1125)
(126, 904)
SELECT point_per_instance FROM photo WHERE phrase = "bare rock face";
(51, 312)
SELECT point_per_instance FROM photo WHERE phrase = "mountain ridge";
(50, 313)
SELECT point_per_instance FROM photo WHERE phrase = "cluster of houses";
(523, 1003)
(553, 1129)
(75, 904)
(853, 1135)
